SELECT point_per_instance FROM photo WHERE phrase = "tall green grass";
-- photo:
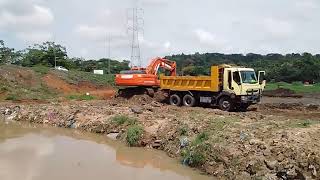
(297, 87)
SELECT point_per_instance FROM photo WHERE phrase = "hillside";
(41, 83)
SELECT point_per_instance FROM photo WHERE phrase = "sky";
(170, 26)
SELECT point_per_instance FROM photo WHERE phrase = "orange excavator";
(144, 80)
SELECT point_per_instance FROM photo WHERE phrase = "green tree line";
(286, 68)
(50, 54)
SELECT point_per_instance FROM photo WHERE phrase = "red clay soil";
(80, 88)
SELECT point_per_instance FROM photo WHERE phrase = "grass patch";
(13, 97)
(122, 119)
(40, 69)
(297, 87)
(3, 88)
(183, 130)
(74, 77)
(81, 97)
(302, 123)
(195, 154)
(134, 134)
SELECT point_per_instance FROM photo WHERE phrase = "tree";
(45, 54)
(7, 55)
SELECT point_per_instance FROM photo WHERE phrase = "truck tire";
(189, 100)
(175, 100)
(226, 104)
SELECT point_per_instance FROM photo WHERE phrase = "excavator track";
(132, 91)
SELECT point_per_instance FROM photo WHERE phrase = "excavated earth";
(270, 141)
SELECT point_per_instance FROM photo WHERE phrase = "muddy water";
(33, 153)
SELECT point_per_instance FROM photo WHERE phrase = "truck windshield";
(248, 77)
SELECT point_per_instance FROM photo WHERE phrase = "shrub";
(134, 134)
(195, 154)
(41, 69)
(183, 130)
(3, 89)
(12, 97)
(200, 138)
(123, 119)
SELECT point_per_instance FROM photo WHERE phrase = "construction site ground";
(278, 139)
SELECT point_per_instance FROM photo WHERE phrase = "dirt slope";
(26, 84)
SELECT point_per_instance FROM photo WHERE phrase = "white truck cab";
(245, 84)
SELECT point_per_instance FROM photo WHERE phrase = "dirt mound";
(281, 92)
(83, 87)
(19, 75)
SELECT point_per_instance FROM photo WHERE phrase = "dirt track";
(267, 141)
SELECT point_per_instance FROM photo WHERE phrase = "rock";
(262, 146)
(244, 175)
(255, 142)
(156, 104)
(156, 144)
(243, 136)
(137, 110)
(312, 107)
(270, 177)
(113, 136)
(314, 170)
(271, 164)
(267, 152)
(184, 142)
(280, 157)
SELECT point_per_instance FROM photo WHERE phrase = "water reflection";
(31, 153)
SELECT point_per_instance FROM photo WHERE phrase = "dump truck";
(230, 88)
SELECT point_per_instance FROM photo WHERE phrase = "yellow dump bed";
(192, 83)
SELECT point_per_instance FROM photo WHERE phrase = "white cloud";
(242, 27)
(39, 16)
(26, 20)
(35, 37)
(205, 36)
(306, 4)
(167, 45)
(277, 28)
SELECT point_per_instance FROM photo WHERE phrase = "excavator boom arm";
(156, 63)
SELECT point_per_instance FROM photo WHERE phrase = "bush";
(12, 97)
(41, 69)
(123, 119)
(201, 138)
(297, 83)
(183, 130)
(195, 154)
(134, 134)
(3, 88)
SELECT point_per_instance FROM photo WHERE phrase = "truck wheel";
(175, 100)
(189, 100)
(226, 104)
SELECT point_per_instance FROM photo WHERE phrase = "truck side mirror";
(262, 77)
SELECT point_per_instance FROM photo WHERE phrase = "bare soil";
(81, 87)
(282, 92)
